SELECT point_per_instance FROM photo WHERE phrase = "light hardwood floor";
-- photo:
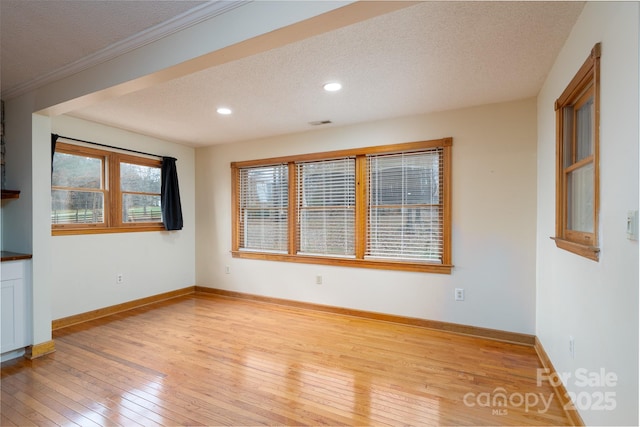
(211, 360)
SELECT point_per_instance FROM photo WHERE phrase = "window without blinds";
(140, 187)
(263, 208)
(578, 164)
(577, 154)
(101, 191)
(405, 218)
(326, 212)
(77, 189)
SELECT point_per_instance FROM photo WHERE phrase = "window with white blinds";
(405, 217)
(326, 212)
(264, 208)
(385, 207)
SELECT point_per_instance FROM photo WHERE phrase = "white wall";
(494, 160)
(84, 270)
(16, 214)
(595, 302)
(26, 222)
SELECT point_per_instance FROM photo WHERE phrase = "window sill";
(586, 251)
(349, 262)
(102, 230)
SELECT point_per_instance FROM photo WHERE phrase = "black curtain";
(54, 139)
(170, 195)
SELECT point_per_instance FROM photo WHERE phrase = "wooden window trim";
(111, 189)
(117, 195)
(590, 252)
(361, 209)
(586, 81)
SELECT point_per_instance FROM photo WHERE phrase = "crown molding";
(178, 23)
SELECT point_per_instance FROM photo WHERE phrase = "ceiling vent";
(320, 122)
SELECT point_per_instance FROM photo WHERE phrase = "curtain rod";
(109, 146)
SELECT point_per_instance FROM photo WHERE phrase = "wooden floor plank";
(6, 421)
(96, 396)
(213, 360)
(60, 403)
(10, 412)
(27, 402)
(76, 401)
(142, 390)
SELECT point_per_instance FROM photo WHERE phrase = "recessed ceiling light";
(224, 111)
(332, 87)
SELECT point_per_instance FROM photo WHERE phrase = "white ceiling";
(41, 37)
(431, 56)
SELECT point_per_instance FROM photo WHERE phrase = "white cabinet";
(15, 278)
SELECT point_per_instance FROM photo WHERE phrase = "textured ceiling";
(431, 56)
(39, 37)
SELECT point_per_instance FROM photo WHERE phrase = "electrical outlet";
(572, 347)
(119, 278)
(459, 294)
(318, 280)
(227, 269)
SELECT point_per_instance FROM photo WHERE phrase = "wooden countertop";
(14, 256)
